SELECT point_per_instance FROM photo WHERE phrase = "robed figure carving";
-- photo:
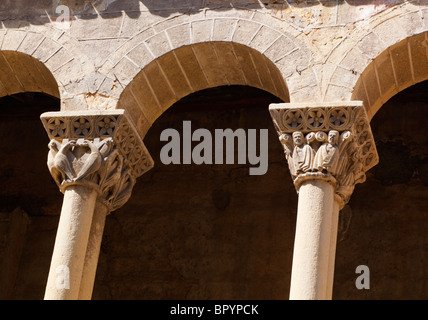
(298, 153)
(327, 156)
(303, 154)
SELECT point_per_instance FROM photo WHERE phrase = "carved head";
(298, 138)
(333, 137)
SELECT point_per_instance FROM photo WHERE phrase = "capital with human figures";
(330, 141)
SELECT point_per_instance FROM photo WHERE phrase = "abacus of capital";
(95, 158)
(329, 148)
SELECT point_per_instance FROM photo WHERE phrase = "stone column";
(329, 148)
(95, 158)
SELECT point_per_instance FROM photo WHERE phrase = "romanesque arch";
(395, 69)
(46, 57)
(160, 63)
(196, 67)
(23, 73)
(378, 59)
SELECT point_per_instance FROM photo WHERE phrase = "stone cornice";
(332, 138)
(97, 149)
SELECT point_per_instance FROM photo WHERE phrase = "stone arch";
(275, 40)
(57, 54)
(371, 40)
(23, 73)
(192, 68)
(397, 68)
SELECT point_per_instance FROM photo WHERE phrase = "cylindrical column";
(93, 251)
(333, 243)
(71, 241)
(309, 275)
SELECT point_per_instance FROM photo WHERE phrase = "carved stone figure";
(327, 156)
(287, 144)
(303, 154)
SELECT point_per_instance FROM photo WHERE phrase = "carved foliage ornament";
(99, 150)
(329, 142)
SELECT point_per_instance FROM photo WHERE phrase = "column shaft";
(93, 252)
(311, 257)
(332, 253)
(68, 258)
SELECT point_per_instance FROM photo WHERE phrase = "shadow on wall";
(15, 13)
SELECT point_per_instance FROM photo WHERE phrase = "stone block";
(355, 60)
(25, 70)
(279, 48)
(229, 63)
(58, 59)
(127, 101)
(223, 29)
(179, 35)
(371, 84)
(140, 55)
(386, 75)
(175, 75)
(201, 30)
(94, 51)
(145, 98)
(401, 61)
(121, 51)
(159, 44)
(295, 61)
(279, 82)
(245, 31)
(125, 71)
(191, 68)
(419, 56)
(359, 93)
(391, 32)
(261, 64)
(30, 43)
(302, 80)
(142, 127)
(209, 63)
(12, 39)
(247, 65)
(371, 45)
(160, 86)
(11, 87)
(264, 38)
(46, 49)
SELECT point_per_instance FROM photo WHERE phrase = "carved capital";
(97, 149)
(327, 140)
